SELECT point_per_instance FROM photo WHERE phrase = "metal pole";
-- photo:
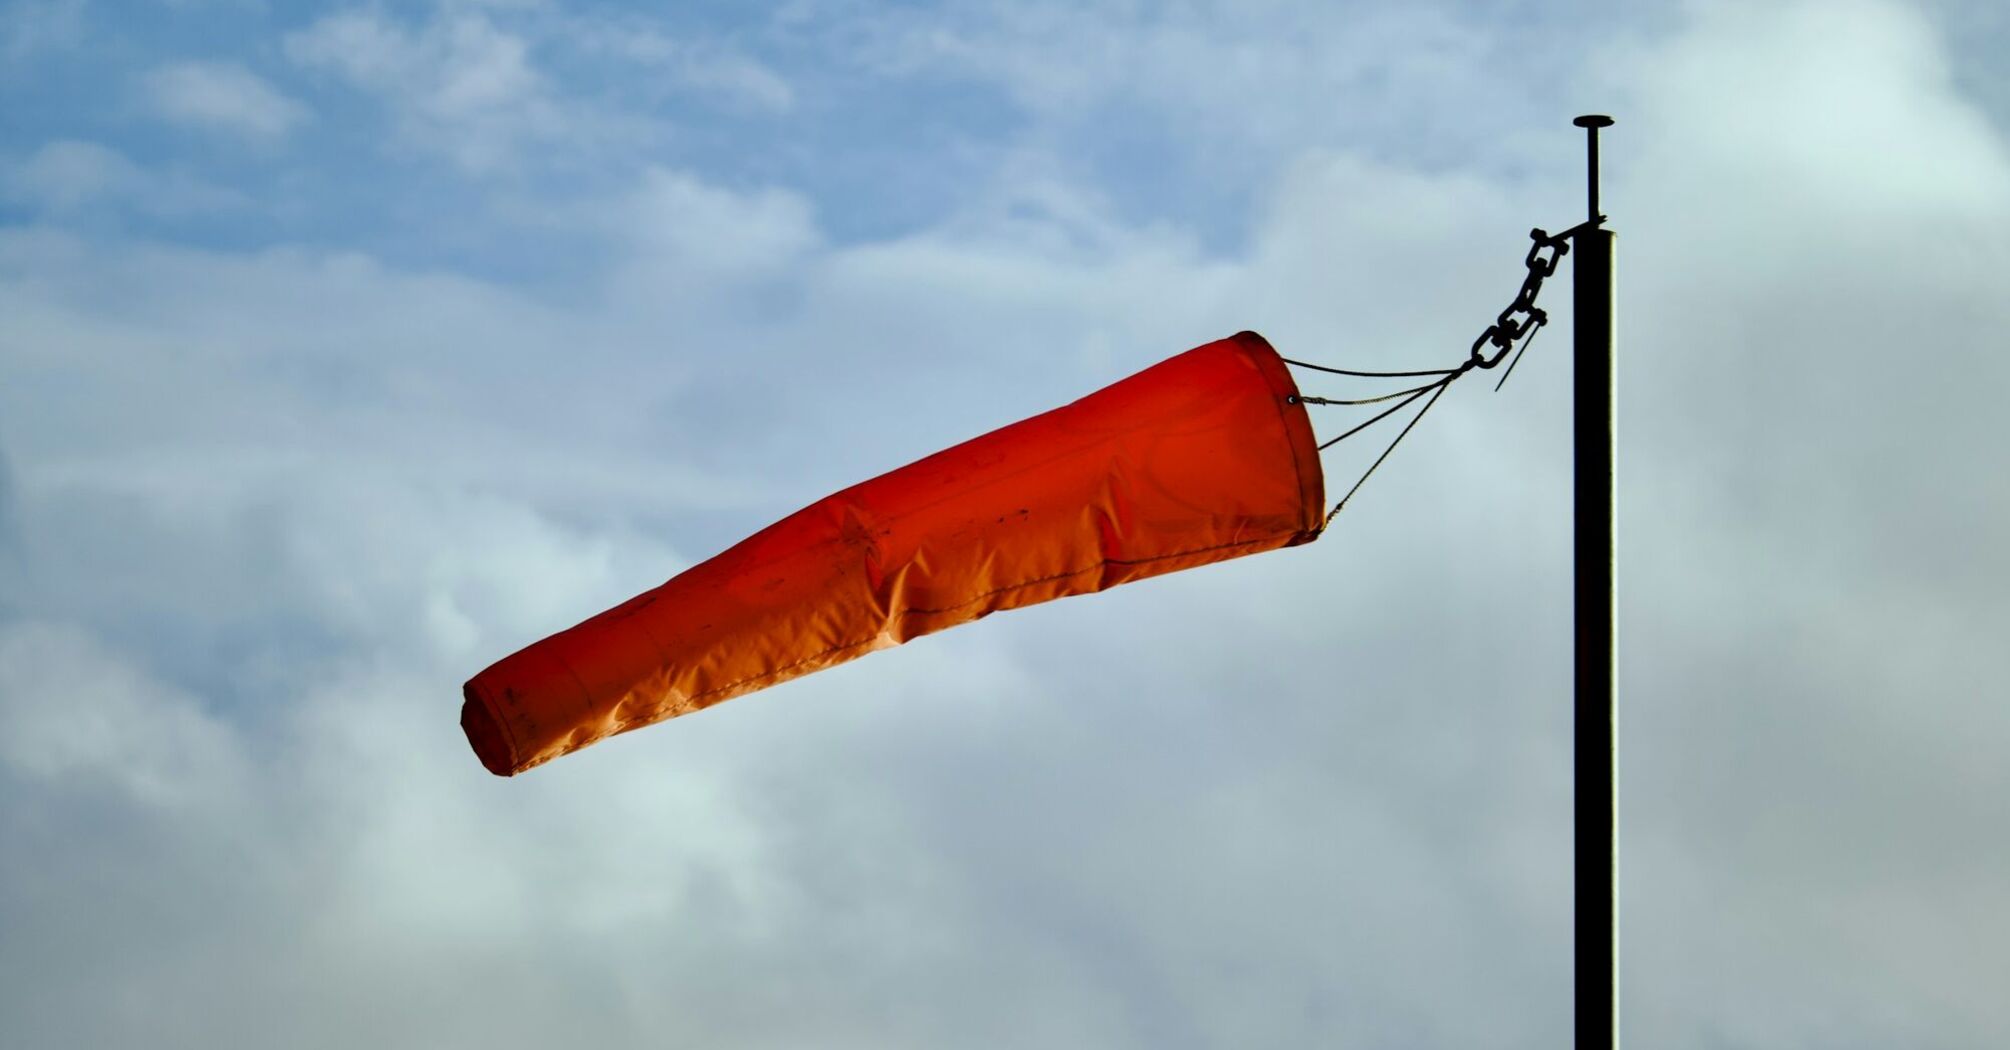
(1597, 811)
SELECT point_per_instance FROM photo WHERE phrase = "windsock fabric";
(1201, 458)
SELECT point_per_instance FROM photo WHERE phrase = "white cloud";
(673, 215)
(222, 96)
(458, 84)
(31, 27)
(1306, 799)
(70, 177)
(480, 83)
(72, 711)
(1231, 88)
(735, 77)
(64, 175)
(1829, 122)
(707, 66)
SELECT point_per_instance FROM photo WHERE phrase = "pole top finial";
(1591, 122)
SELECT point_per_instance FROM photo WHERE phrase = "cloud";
(1873, 74)
(32, 27)
(63, 175)
(12, 556)
(708, 227)
(68, 178)
(502, 88)
(221, 96)
(736, 77)
(327, 488)
(1227, 90)
(276, 502)
(70, 710)
(458, 84)
(705, 66)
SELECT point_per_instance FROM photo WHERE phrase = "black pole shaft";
(1597, 812)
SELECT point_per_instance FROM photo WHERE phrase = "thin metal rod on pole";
(1597, 811)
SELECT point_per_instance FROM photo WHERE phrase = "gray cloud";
(277, 504)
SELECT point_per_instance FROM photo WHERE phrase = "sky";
(345, 349)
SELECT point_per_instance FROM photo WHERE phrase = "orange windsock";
(1201, 458)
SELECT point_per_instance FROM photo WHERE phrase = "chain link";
(1522, 316)
(1513, 326)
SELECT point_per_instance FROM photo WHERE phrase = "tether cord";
(1533, 329)
(1434, 389)
(1384, 414)
(1370, 375)
(1363, 400)
(1513, 330)
(1363, 480)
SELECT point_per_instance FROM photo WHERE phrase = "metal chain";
(1522, 316)
(1513, 327)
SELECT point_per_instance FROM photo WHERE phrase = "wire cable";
(1533, 329)
(1362, 400)
(1387, 412)
(1405, 432)
(1369, 375)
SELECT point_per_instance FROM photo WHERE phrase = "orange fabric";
(1203, 457)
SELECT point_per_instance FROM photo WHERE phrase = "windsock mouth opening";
(485, 734)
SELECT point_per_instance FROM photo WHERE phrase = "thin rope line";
(1517, 357)
(1385, 413)
(1363, 400)
(1405, 432)
(1496, 334)
(1368, 375)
